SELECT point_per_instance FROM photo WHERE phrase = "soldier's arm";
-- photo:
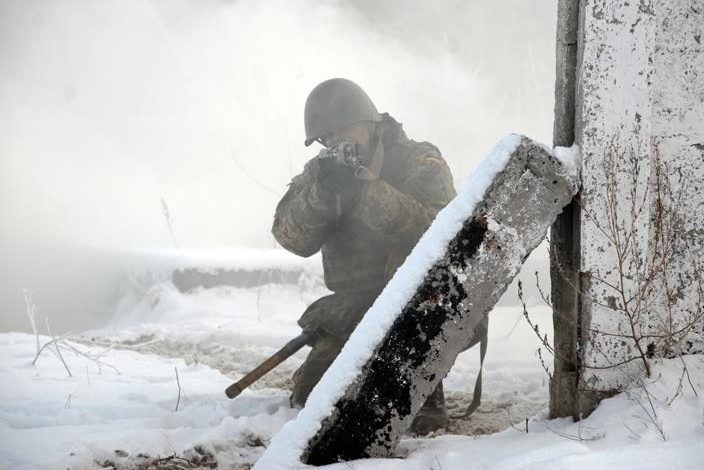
(306, 214)
(403, 216)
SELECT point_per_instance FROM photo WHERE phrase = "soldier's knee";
(323, 354)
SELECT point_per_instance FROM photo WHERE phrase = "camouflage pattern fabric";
(364, 244)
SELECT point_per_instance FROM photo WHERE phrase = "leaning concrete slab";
(425, 317)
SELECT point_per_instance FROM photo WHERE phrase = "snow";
(52, 421)
(213, 336)
(85, 418)
(571, 158)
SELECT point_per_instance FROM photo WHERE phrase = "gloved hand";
(339, 180)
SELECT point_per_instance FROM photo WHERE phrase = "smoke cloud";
(110, 110)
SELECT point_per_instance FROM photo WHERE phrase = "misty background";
(113, 110)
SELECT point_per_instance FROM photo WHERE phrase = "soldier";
(364, 219)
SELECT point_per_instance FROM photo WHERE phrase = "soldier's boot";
(320, 357)
(432, 416)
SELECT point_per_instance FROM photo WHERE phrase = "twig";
(652, 414)
(178, 382)
(46, 345)
(542, 362)
(573, 437)
(67, 405)
(253, 179)
(510, 421)
(62, 343)
(91, 358)
(543, 340)
(515, 324)
(58, 350)
(31, 310)
(635, 434)
(169, 221)
(689, 379)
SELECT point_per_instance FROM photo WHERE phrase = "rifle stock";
(277, 358)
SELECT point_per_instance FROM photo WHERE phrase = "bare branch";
(58, 350)
(178, 382)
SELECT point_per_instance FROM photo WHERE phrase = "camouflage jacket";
(362, 249)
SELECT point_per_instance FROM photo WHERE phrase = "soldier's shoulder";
(423, 153)
(408, 149)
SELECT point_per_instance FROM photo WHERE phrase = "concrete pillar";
(639, 121)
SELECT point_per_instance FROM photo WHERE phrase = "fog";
(111, 110)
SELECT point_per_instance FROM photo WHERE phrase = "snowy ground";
(124, 409)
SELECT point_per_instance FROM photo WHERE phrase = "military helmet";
(335, 104)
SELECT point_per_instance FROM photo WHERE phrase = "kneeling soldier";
(364, 202)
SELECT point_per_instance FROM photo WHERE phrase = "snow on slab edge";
(290, 443)
(571, 159)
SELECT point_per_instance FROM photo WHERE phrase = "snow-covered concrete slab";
(411, 336)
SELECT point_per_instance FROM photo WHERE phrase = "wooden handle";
(280, 356)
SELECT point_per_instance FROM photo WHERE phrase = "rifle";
(277, 358)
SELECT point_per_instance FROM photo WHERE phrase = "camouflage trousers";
(330, 320)
(321, 356)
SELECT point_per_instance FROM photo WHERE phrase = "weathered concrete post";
(431, 308)
(626, 264)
